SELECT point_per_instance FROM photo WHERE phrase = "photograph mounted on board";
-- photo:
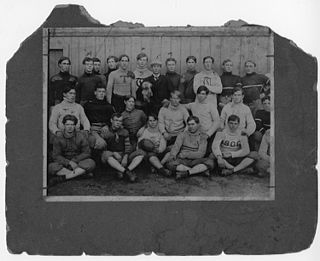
(158, 113)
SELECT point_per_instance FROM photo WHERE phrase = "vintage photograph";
(158, 113)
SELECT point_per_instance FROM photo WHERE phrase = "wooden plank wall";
(236, 48)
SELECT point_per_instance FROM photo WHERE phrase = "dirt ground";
(105, 183)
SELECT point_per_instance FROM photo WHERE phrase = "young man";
(68, 106)
(121, 83)
(99, 113)
(231, 148)
(253, 84)
(247, 125)
(119, 148)
(171, 74)
(160, 87)
(112, 64)
(229, 81)
(71, 153)
(207, 114)
(59, 81)
(133, 119)
(96, 70)
(87, 82)
(173, 119)
(186, 82)
(210, 79)
(187, 154)
(263, 163)
(262, 119)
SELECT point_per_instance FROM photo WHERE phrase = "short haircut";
(191, 57)
(208, 57)
(250, 61)
(203, 88)
(124, 55)
(233, 117)
(68, 88)
(193, 118)
(171, 59)
(175, 92)
(63, 58)
(112, 57)
(154, 115)
(226, 61)
(95, 59)
(116, 115)
(141, 55)
(69, 117)
(237, 89)
(99, 85)
(87, 59)
(128, 97)
(265, 98)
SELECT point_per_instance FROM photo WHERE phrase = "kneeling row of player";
(230, 150)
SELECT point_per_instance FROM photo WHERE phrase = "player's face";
(192, 126)
(202, 96)
(70, 96)
(100, 93)
(233, 125)
(174, 100)
(142, 62)
(249, 68)
(208, 64)
(64, 66)
(96, 66)
(116, 123)
(112, 63)
(69, 126)
(130, 104)
(266, 105)
(88, 66)
(156, 68)
(152, 122)
(237, 97)
(191, 64)
(227, 67)
(124, 62)
(171, 66)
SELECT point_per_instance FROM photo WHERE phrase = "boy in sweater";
(112, 65)
(187, 154)
(186, 82)
(96, 70)
(171, 74)
(121, 83)
(210, 79)
(71, 153)
(231, 148)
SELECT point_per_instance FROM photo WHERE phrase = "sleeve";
(217, 88)
(185, 115)
(258, 121)
(143, 118)
(250, 124)
(263, 150)
(196, 82)
(127, 145)
(216, 144)
(110, 87)
(53, 121)
(161, 121)
(84, 120)
(163, 144)
(133, 87)
(85, 150)
(57, 153)
(244, 151)
(105, 133)
(78, 88)
(216, 121)
(223, 117)
(177, 145)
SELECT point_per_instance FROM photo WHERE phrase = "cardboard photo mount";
(286, 224)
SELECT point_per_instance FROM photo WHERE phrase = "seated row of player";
(150, 88)
(71, 152)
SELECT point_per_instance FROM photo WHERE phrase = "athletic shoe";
(165, 172)
(226, 172)
(206, 173)
(119, 175)
(247, 171)
(131, 176)
(182, 174)
(55, 180)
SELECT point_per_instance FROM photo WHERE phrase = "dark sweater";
(86, 86)
(252, 85)
(262, 119)
(174, 80)
(229, 81)
(117, 140)
(98, 111)
(56, 85)
(186, 87)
